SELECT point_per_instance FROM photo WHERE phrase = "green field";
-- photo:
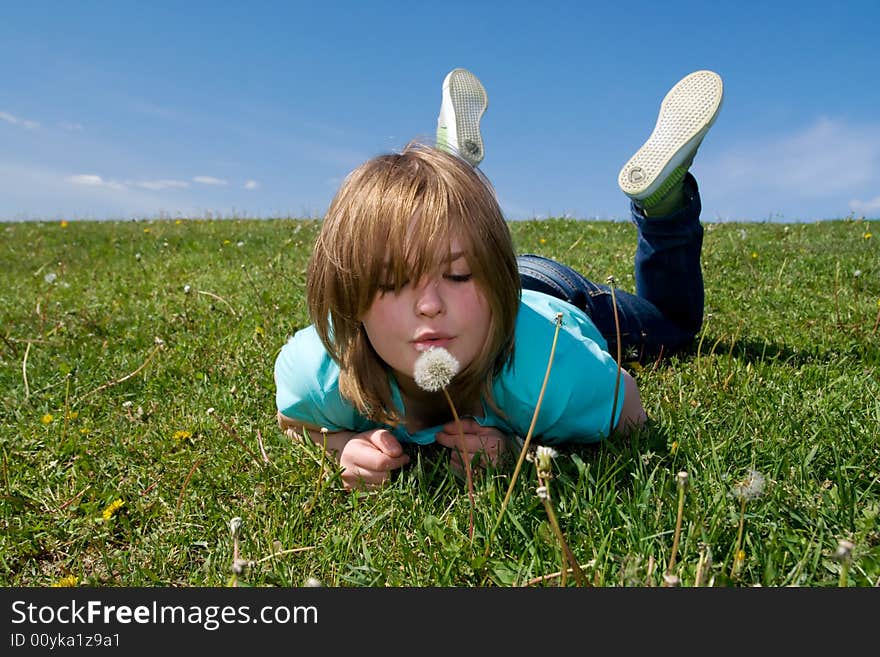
(116, 338)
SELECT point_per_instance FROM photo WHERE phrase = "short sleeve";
(307, 385)
(579, 400)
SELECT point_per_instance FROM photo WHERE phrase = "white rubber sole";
(466, 100)
(686, 114)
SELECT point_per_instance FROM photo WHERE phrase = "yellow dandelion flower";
(72, 415)
(111, 509)
(70, 580)
(178, 221)
(868, 236)
(227, 242)
(542, 241)
(64, 223)
(754, 255)
(47, 418)
(146, 230)
(85, 431)
(674, 448)
(181, 435)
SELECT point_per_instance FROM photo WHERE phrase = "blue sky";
(123, 109)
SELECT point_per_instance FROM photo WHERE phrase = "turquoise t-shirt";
(576, 406)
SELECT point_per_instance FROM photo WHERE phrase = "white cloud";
(817, 172)
(9, 118)
(161, 184)
(71, 127)
(92, 180)
(864, 207)
(209, 180)
(827, 158)
(251, 185)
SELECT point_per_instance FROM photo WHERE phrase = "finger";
(468, 425)
(385, 442)
(472, 443)
(357, 478)
(377, 461)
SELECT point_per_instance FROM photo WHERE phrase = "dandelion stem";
(186, 481)
(66, 408)
(734, 568)
(232, 432)
(283, 552)
(468, 471)
(544, 578)
(219, 298)
(567, 555)
(528, 438)
(27, 390)
(617, 332)
(675, 539)
(127, 376)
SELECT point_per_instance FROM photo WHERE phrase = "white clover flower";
(434, 369)
(50, 277)
(750, 488)
(544, 457)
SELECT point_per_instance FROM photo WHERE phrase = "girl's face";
(444, 309)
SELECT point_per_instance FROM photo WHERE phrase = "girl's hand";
(488, 442)
(368, 458)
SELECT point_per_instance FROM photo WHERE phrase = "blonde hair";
(397, 214)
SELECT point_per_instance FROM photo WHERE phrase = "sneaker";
(458, 126)
(686, 114)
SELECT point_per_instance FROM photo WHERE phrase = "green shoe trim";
(673, 179)
(442, 139)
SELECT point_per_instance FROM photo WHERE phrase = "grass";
(114, 473)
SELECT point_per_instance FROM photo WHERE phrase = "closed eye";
(458, 278)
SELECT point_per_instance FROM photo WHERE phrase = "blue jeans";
(666, 312)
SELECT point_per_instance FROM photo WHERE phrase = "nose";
(429, 301)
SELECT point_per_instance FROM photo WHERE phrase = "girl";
(414, 254)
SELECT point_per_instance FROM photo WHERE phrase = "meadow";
(138, 420)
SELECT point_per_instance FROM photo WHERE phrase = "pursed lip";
(428, 339)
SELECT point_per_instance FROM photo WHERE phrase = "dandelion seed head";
(434, 369)
(313, 582)
(844, 550)
(544, 457)
(187, 289)
(750, 488)
(671, 580)
(682, 479)
(235, 526)
(51, 277)
(239, 566)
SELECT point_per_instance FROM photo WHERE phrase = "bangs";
(419, 247)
